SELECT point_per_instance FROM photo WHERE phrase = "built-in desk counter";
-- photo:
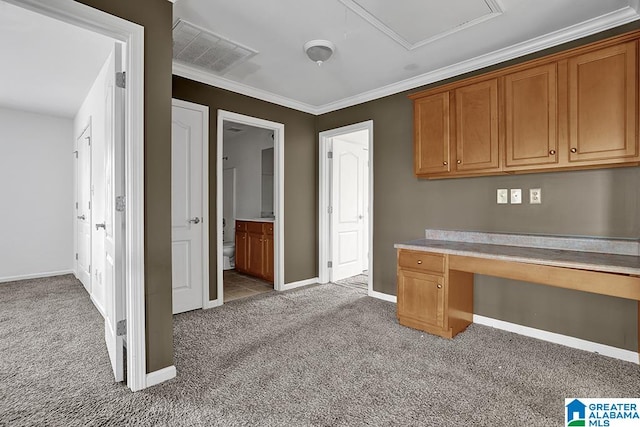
(435, 274)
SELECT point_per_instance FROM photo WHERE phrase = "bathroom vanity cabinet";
(254, 249)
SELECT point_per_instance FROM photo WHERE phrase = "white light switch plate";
(502, 196)
(516, 196)
(535, 196)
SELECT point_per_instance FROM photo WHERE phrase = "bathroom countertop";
(256, 219)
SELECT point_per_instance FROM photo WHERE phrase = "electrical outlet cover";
(516, 196)
(502, 196)
(535, 196)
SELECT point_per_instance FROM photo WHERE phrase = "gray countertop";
(579, 259)
(256, 219)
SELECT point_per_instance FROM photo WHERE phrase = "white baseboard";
(97, 306)
(384, 297)
(605, 350)
(35, 275)
(293, 285)
(212, 304)
(159, 376)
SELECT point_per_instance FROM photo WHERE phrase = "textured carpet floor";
(319, 356)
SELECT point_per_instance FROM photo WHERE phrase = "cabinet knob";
(552, 152)
(419, 261)
(439, 286)
(459, 162)
(445, 163)
(574, 150)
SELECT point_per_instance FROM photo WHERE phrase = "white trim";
(160, 376)
(199, 75)
(204, 110)
(213, 303)
(36, 275)
(382, 296)
(324, 230)
(132, 34)
(580, 344)
(97, 305)
(592, 26)
(278, 199)
(299, 284)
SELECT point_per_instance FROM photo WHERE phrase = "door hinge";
(89, 205)
(121, 203)
(330, 154)
(121, 80)
(330, 264)
(76, 205)
(76, 256)
(75, 153)
(89, 268)
(121, 328)
(330, 209)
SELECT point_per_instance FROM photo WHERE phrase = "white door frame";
(132, 34)
(278, 197)
(204, 110)
(324, 230)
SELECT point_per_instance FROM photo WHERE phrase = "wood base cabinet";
(429, 297)
(254, 249)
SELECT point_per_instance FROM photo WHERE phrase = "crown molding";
(193, 73)
(593, 26)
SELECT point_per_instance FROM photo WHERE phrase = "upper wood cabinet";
(476, 129)
(431, 118)
(531, 110)
(603, 104)
(576, 109)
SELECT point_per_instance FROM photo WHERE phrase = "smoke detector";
(319, 51)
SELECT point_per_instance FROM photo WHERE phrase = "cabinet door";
(421, 297)
(268, 257)
(603, 110)
(431, 134)
(476, 127)
(531, 110)
(255, 254)
(241, 251)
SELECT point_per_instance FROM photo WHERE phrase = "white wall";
(36, 195)
(244, 152)
(94, 111)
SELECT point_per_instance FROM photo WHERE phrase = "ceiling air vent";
(196, 46)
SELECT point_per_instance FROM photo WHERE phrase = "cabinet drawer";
(422, 261)
(241, 226)
(268, 228)
(255, 227)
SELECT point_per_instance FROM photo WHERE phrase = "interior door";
(83, 208)
(114, 224)
(187, 147)
(347, 217)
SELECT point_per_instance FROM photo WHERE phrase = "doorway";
(346, 197)
(250, 204)
(123, 247)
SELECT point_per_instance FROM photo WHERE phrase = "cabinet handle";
(419, 261)
(552, 152)
(439, 286)
(574, 150)
(445, 163)
(459, 162)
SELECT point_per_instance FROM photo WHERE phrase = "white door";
(83, 208)
(347, 217)
(187, 180)
(114, 280)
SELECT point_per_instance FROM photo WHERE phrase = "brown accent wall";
(300, 173)
(156, 17)
(593, 203)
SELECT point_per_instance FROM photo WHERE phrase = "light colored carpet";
(324, 355)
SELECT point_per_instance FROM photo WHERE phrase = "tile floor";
(361, 281)
(237, 285)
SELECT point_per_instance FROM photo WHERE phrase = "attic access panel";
(414, 23)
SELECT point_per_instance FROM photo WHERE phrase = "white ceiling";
(48, 66)
(441, 39)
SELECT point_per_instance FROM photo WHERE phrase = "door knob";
(82, 217)
(101, 225)
(195, 220)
